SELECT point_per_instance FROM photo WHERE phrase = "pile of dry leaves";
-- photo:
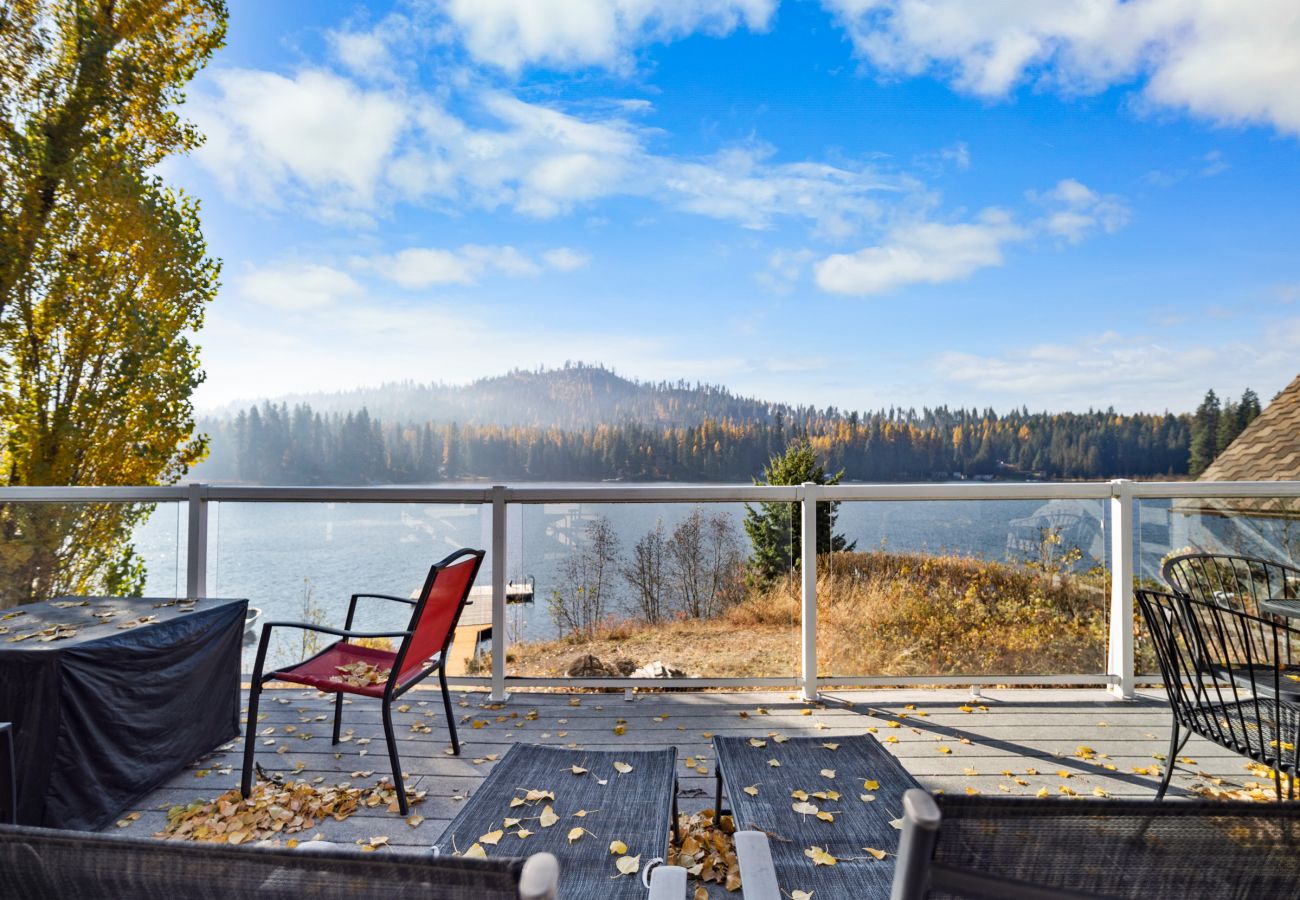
(706, 850)
(273, 810)
(361, 674)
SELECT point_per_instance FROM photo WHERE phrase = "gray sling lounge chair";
(595, 807)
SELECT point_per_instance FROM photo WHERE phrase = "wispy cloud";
(422, 267)
(927, 252)
(570, 34)
(1221, 60)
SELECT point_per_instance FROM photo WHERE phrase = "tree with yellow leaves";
(104, 275)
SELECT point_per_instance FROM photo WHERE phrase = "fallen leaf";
(576, 833)
(801, 895)
(820, 857)
(617, 847)
(878, 854)
(475, 852)
(414, 821)
(774, 763)
(755, 742)
(804, 808)
(830, 746)
(752, 790)
(825, 816)
(548, 817)
(577, 770)
(622, 768)
(828, 773)
(628, 865)
(492, 837)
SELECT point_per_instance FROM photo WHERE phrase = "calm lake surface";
(292, 559)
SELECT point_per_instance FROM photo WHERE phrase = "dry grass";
(878, 614)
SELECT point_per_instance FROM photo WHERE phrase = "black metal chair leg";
(399, 784)
(250, 737)
(677, 819)
(1182, 743)
(1169, 763)
(8, 778)
(451, 718)
(717, 803)
(338, 715)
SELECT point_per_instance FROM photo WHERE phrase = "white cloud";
(925, 252)
(316, 133)
(341, 150)
(1125, 371)
(572, 33)
(566, 259)
(1074, 211)
(422, 267)
(297, 287)
(1227, 61)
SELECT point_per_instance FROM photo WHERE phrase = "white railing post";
(808, 577)
(196, 547)
(499, 649)
(1120, 648)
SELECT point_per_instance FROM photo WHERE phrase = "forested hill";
(574, 397)
(584, 423)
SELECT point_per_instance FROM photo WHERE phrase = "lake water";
(294, 558)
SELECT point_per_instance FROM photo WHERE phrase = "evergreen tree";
(774, 528)
(1205, 431)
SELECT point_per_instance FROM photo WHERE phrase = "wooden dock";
(475, 625)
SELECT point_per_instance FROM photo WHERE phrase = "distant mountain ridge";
(576, 396)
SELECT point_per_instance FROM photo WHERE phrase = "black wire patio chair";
(1223, 679)
(345, 667)
(48, 864)
(1021, 848)
(1250, 584)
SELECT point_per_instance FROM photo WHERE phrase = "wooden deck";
(1015, 731)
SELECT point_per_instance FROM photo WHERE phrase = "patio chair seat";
(857, 824)
(637, 807)
(321, 670)
(1246, 725)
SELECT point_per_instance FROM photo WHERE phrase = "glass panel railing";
(646, 589)
(965, 588)
(49, 550)
(302, 561)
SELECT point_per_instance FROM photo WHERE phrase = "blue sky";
(851, 202)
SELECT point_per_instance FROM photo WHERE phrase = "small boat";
(252, 621)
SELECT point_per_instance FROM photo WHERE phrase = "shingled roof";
(1269, 448)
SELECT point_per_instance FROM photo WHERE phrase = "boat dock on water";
(475, 626)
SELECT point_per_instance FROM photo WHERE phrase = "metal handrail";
(1121, 493)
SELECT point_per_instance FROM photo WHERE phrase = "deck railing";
(1119, 677)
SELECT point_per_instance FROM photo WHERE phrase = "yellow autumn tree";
(104, 276)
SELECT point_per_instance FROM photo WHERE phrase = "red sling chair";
(426, 639)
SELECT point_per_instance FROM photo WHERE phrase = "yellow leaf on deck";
(799, 795)
(943, 749)
(617, 847)
(828, 773)
(492, 837)
(1043, 792)
(522, 833)
(800, 895)
(576, 833)
(475, 852)
(628, 865)
(1099, 792)
(825, 816)
(820, 857)
(752, 790)
(878, 854)
(577, 770)
(871, 785)
(620, 729)
(969, 771)
(548, 817)
(891, 740)
(804, 808)
(755, 742)
(774, 763)
(622, 768)
(511, 823)
(830, 746)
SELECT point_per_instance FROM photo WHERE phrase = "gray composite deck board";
(1022, 729)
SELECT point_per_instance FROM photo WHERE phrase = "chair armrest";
(325, 629)
(668, 883)
(540, 879)
(352, 604)
(757, 873)
(915, 846)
